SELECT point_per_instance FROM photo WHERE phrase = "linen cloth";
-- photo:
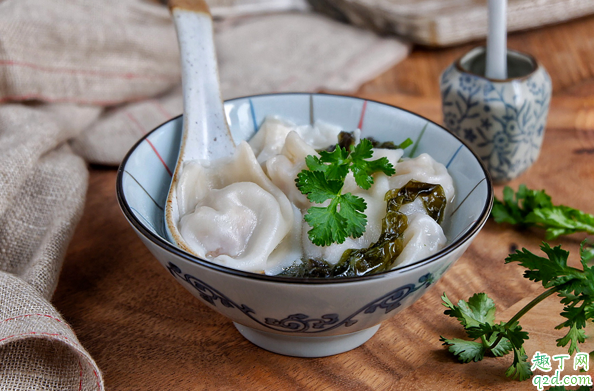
(450, 22)
(92, 77)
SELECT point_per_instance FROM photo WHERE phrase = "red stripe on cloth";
(159, 156)
(97, 379)
(286, 83)
(360, 126)
(27, 315)
(99, 102)
(55, 335)
(160, 107)
(138, 124)
(88, 72)
(34, 333)
(81, 376)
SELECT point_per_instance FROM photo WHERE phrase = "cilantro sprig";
(534, 208)
(324, 179)
(477, 315)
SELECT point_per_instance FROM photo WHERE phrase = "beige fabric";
(86, 54)
(84, 51)
(38, 350)
(107, 140)
(42, 192)
(234, 8)
(450, 22)
(89, 78)
(305, 52)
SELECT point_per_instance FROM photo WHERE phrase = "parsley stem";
(523, 311)
(483, 340)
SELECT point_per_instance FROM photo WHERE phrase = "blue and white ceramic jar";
(502, 121)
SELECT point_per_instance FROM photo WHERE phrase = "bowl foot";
(298, 346)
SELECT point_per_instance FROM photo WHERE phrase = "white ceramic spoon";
(206, 135)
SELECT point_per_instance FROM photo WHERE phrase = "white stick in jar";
(496, 62)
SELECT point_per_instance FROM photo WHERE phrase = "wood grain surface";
(146, 332)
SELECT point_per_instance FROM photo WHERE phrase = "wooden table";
(146, 332)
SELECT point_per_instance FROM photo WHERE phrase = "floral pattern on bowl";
(296, 316)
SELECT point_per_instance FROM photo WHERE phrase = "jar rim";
(523, 65)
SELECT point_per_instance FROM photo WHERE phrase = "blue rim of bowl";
(475, 227)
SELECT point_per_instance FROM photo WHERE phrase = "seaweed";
(381, 255)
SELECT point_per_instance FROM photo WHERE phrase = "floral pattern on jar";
(502, 121)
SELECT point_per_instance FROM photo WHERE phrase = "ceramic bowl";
(293, 316)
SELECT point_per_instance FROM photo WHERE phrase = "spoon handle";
(206, 134)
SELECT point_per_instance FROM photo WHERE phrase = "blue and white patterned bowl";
(502, 121)
(292, 316)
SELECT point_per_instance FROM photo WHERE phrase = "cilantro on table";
(324, 179)
(477, 315)
(534, 208)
